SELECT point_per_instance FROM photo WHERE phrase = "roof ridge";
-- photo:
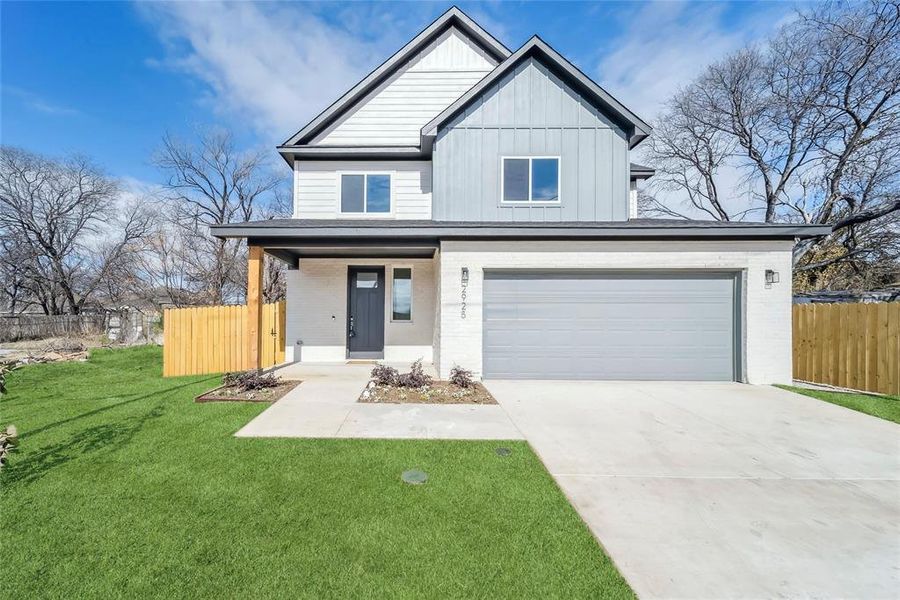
(454, 16)
(570, 71)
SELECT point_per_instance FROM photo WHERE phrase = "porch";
(351, 292)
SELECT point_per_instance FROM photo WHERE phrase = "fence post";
(254, 305)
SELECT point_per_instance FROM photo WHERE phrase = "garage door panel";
(609, 326)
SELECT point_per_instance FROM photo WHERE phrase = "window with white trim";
(401, 294)
(530, 179)
(365, 193)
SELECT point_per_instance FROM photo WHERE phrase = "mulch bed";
(228, 393)
(439, 392)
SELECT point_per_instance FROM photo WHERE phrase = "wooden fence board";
(893, 347)
(842, 346)
(848, 345)
(212, 339)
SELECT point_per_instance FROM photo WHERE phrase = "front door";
(365, 312)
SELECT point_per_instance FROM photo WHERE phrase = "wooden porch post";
(254, 305)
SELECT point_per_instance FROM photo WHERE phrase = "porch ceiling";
(289, 252)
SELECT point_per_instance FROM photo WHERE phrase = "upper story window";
(365, 193)
(531, 179)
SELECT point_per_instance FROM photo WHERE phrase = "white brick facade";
(318, 291)
(316, 328)
(765, 312)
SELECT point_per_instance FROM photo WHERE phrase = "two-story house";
(470, 205)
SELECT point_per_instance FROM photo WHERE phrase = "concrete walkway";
(723, 490)
(325, 406)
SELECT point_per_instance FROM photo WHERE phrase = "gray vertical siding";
(531, 112)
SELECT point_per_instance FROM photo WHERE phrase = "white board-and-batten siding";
(317, 190)
(394, 113)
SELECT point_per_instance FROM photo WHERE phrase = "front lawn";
(124, 487)
(883, 407)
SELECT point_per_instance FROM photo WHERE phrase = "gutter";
(785, 232)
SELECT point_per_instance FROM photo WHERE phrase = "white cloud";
(39, 103)
(666, 44)
(275, 66)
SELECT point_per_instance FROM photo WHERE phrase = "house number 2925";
(464, 283)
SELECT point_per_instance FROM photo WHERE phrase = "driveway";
(722, 490)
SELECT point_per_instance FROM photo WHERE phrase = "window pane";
(378, 193)
(545, 179)
(515, 179)
(352, 193)
(366, 280)
(402, 295)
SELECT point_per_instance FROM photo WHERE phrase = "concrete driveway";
(722, 490)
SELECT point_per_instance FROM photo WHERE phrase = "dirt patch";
(50, 349)
(228, 393)
(439, 392)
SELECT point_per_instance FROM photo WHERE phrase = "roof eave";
(290, 153)
(507, 231)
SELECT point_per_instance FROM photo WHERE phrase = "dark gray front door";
(365, 312)
(609, 325)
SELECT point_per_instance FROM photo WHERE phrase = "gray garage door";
(590, 325)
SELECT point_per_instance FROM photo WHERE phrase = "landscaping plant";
(247, 381)
(385, 375)
(416, 378)
(9, 439)
(461, 377)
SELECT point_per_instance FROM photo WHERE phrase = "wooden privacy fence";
(214, 339)
(848, 345)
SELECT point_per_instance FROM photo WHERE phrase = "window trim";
(365, 213)
(530, 202)
(412, 294)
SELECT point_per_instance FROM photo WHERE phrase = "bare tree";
(14, 284)
(812, 122)
(274, 272)
(68, 227)
(208, 183)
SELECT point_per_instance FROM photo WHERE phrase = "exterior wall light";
(771, 277)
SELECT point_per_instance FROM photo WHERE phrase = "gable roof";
(636, 127)
(452, 18)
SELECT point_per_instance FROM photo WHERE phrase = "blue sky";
(107, 79)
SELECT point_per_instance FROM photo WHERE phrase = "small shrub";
(9, 440)
(416, 378)
(461, 377)
(246, 381)
(385, 375)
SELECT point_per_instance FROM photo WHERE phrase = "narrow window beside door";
(365, 193)
(401, 295)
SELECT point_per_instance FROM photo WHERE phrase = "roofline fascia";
(786, 232)
(453, 16)
(641, 129)
(290, 153)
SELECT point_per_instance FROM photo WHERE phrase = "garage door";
(592, 325)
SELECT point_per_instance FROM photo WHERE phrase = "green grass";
(883, 407)
(124, 487)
